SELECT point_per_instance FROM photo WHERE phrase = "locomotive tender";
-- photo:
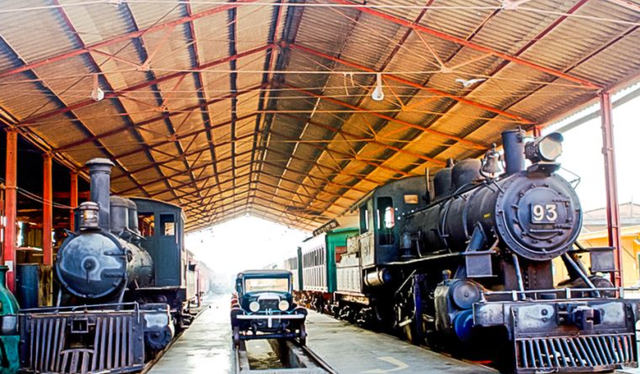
(474, 263)
(125, 286)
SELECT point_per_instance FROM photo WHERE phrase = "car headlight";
(283, 305)
(254, 306)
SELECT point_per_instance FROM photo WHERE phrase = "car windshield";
(266, 284)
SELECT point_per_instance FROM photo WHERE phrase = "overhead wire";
(37, 198)
(87, 3)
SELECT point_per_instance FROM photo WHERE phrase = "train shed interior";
(269, 108)
(287, 110)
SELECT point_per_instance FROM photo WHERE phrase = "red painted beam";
(389, 118)
(125, 37)
(178, 157)
(179, 173)
(10, 207)
(357, 138)
(611, 183)
(162, 117)
(138, 86)
(435, 91)
(412, 84)
(524, 48)
(466, 43)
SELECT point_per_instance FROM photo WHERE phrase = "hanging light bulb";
(96, 93)
(378, 94)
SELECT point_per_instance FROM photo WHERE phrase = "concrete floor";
(350, 350)
(206, 348)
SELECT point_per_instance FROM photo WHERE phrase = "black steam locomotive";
(473, 264)
(125, 286)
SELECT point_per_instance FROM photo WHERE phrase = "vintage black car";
(263, 307)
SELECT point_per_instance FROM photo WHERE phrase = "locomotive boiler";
(473, 262)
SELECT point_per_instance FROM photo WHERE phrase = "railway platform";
(206, 348)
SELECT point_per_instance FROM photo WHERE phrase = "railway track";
(159, 355)
(292, 358)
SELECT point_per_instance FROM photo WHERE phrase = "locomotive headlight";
(546, 149)
(89, 215)
(283, 305)
(254, 306)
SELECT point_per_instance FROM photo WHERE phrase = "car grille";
(269, 304)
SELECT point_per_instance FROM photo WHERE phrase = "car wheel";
(236, 337)
(303, 334)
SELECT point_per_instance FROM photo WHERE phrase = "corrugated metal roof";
(287, 128)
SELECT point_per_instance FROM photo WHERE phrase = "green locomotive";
(9, 337)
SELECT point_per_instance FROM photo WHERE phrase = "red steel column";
(73, 197)
(47, 228)
(536, 131)
(47, 211)
(11, 209)
(611, 182)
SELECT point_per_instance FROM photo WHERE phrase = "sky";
(244, 243)
(250, 242)
(582, 154)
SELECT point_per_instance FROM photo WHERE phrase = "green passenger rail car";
(294, 265)
(317, 266)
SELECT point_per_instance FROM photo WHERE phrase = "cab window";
(167, 225)
(146, 224)
(385, 221)
(364, 219)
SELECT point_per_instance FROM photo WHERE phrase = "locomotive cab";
(381, 215)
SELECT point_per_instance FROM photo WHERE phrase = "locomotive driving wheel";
(404, 317)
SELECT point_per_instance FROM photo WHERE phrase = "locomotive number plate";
(544, 213)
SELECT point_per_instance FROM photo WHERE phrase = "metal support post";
(73, 198)
(11, 210)
(47, 211)
(47, 229)
(611, 182)
(536, 131)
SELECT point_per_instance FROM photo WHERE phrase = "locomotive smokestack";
(513, 143)
(100, 173)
